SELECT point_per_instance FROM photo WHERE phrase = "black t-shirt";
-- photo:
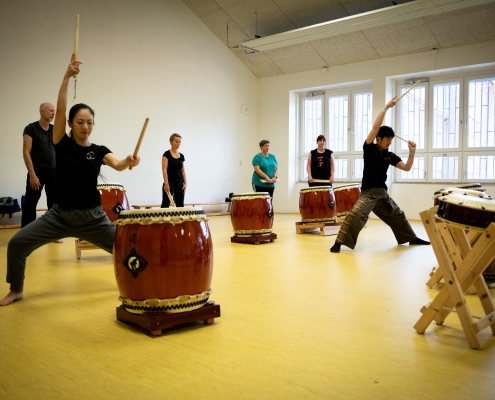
(376, 163)
(174, 168)
(320, 164)
(43, 149)
(78, 168)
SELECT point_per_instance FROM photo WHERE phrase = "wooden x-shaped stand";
(462, 258)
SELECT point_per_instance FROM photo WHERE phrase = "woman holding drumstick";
(374, 196)
(77, 210)
(320, 165)
(265, 170)
(174, 174)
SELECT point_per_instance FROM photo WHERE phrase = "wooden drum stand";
(463, 253)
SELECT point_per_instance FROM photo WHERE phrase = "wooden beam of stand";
(138, 145)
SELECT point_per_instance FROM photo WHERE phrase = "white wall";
(147, 58)
(277, 116)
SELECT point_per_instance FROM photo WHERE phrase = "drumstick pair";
(172, 202)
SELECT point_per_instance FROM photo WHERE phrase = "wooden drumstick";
(398, 137)
(172, 202)
(321, 180)
(411, 88)
(265, 181)
(76, 51)
(140, 140)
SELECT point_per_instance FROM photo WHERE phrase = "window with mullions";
(455, 118)
(311, 128)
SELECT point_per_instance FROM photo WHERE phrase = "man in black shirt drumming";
(39, 156)
(374, 196)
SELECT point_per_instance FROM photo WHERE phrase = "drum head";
(162, 215)
(347, 187)
(109, 186)
(249, 196)
(460, 191)
(316, 189)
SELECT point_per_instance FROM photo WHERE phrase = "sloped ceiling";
(247, 18)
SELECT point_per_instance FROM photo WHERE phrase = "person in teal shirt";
(265, 170)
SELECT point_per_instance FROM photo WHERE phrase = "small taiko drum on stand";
(317, 204)
(113, 199)
(346, 197)
(163, 262)
(459, 191)
(252, 217)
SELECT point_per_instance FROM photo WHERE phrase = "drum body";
(460, 191)
(468, 211)
(346, 197)
(251, 213)
(113, 199)
(317, 204)
(163, 259)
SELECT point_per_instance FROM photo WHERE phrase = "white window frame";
(352, 169)
(466, 154)
(404, 157)
(462, 151)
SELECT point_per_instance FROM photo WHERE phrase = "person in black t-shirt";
(38, 152)
(174, 173)
(374, 196)
(321, 164)
(77, 210)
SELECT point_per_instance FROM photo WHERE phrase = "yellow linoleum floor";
(297, 323)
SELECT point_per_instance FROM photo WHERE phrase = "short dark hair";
(385, 131)
(174, 135)
(78, 107)
(321, 137)
(263, 142)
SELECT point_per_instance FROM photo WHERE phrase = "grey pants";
(378, 201)
(91, 225)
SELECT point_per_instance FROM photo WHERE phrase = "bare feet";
(58, 241)
(10, 298)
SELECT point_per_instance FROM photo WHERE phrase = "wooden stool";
(461, 264)
(325, 228)
(83, 245)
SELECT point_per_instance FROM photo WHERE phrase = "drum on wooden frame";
(460, 191)
(113, 199)
(251, 213)
(346, 197)
(466, 211)
(163, 259)
(317, 204)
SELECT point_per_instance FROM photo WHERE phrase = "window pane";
(412, 117)
(312, 123)
(362, 118)
(417, 171)
(446, 116)
(480, 167)
(340, 168)
(338, 123)
(481, 116)
(445, 167)
(304, 163)
(358, 168)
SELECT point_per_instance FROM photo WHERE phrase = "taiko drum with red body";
(346, 197)
(163, 259)
(317, 204)
(113, 199)
(251, 213)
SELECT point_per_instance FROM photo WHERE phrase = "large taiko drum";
(466, 211)
(113, 199)
(317, 204)
(472, 186)
(346, 197)
(460, 191)
(251, 213)
(163, 259)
